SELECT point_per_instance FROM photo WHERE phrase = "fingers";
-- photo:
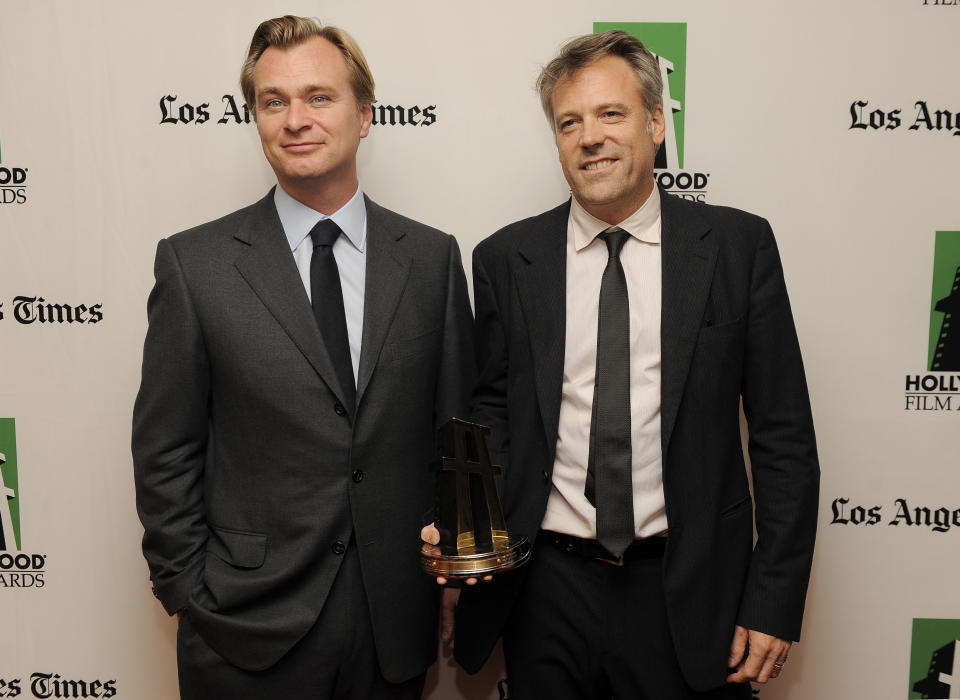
(737, 647)
(432, 550)
(765, 658)
(448, 613)
(431, 538)
(778, 666)
(771, 668)
(430, 534)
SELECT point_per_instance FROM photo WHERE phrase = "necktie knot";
(325, 233)
(614, 238)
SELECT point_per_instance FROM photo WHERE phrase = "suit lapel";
(689, 255)
(387, 271)
(267, 265)
(541, 279)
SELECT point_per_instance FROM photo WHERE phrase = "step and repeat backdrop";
(122, 122)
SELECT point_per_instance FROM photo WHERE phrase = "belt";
(646, 548)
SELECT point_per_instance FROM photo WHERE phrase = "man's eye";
(320, 99)
(272, 104)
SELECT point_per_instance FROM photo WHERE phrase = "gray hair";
(584, 50)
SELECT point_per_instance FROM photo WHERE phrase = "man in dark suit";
(301, 353)
(617, 335)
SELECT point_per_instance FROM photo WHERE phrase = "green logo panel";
(934, 666)
(943, 354)
(9, 488)
(668, 40)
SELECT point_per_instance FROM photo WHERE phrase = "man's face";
(309, 123)
(605, 148)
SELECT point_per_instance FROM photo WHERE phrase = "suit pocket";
(737, 508)
(244, 550)
(412, 347)
(720, 332)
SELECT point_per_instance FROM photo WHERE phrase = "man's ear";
(366, 119)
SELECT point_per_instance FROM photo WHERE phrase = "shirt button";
(339, 548)
(358, 475)
(339, 409)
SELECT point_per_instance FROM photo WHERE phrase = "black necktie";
(327, 299)
(609, 468)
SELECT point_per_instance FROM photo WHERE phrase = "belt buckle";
(614, 562)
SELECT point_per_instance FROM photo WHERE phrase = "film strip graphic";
(7, 539)
(946, 357)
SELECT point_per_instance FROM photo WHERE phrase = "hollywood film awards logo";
(18, 569)
(232, 110)
(938, 389)
(935, 659)
(668, 42)
(13, 183)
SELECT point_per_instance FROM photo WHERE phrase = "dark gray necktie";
(327, 299)
(609, 468)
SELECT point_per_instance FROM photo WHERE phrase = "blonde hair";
(287, 31)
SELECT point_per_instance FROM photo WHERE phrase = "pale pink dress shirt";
(568, 510)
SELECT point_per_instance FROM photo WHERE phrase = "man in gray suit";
(301, 353)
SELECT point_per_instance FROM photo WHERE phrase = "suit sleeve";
(783, 454)
(457, 369)
(489, 403)
(170, 434)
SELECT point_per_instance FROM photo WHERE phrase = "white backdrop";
(769, 88)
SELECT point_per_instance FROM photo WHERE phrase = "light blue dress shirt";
(350, 252)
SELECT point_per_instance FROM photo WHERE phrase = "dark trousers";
(336, 659)
(584, 629)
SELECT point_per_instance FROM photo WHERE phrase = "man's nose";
(591, 133)
(297, 117)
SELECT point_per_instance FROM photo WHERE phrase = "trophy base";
(475, 565)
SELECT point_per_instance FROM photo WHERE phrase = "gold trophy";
(473, 533)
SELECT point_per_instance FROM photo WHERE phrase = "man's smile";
(598, 164)
(301, 146)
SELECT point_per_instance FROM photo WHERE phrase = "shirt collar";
(642, 224)
(298, 219)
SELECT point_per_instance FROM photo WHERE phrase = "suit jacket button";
(339, 548)
(358, 475)
(339, 409)
(546, 477)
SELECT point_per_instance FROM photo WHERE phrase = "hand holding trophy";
(474, 541)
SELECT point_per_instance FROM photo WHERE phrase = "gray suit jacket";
(726, 334)
(251, 474)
